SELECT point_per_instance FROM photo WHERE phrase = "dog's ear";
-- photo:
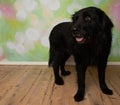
(107, 23)
(104, 20)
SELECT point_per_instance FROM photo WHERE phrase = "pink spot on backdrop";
(7, 11)
(2, 57)
(115, 12)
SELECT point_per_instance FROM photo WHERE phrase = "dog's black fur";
(88, 38)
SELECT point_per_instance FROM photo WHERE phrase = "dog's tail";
(51, 56)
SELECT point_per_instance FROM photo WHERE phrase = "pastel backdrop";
(25, 26)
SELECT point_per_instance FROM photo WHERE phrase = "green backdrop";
(25, 26)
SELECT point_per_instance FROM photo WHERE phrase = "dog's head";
(88, 23)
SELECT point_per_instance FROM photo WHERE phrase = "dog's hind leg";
(51, 56)
(56, 65)
(62, 65)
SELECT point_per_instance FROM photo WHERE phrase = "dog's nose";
(74, 29)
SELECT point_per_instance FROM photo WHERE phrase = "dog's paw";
(78, 97)
(59, 81)
(65, 73)
(107, 91)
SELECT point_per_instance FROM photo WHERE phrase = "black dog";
(88, 38)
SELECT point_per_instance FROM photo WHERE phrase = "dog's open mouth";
(80, 40)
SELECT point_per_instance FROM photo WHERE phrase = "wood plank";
(14, 84)
(37, 93)
(9, 82)
(34, 85)
(107, 99)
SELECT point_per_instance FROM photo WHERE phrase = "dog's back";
(57, 39)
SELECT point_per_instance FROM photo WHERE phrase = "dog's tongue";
(79, 39)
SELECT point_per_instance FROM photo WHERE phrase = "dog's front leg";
(81, 69)
(101, 75)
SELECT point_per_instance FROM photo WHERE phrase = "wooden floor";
(34, 85)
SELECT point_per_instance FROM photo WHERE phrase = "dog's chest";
(87, 52)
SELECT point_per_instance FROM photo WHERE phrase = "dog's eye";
(87, 18)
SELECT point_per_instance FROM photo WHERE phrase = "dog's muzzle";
(80, 37)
